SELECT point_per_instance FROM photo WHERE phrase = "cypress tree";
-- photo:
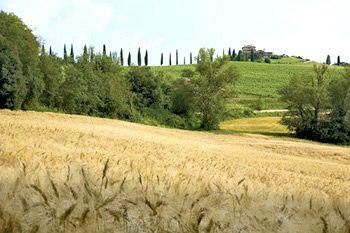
(338, 61)
(252, 56)
(239, 56)
(110, 54)
(92, 55)
(65, 56)
(170, 59)
(71, 56)
(129, 59)
(229, 53)
(85, 55)
(211, 57)
(161, 59)
(146, 58)
(223, 52)
(50, 52)
(191, 58)
(328, 61)
(104, 50)
(43, 52)
(177, 57)
(184, 60)
(233, 55)
(121, 57)
(139, 60)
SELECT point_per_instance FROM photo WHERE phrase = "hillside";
(82, 174)
(260, 82)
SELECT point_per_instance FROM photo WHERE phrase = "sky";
(308, 28)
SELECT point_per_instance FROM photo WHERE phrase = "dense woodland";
(98, 84)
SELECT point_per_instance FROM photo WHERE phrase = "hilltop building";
(247, 49)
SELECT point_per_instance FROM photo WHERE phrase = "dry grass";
(259, 125)
(62, 173)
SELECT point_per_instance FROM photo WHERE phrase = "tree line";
(96, 84)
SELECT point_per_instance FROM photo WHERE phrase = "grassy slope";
(260, 82)
(164, 180)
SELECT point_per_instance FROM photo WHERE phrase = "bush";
(267, 60)
(311, 98)
(187, 73)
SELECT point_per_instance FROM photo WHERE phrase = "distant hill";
(260, 82)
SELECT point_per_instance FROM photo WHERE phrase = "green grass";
(259, 83)
(256, 125)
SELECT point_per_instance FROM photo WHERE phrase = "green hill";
(259, 83)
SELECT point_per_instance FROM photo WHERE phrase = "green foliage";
(12, 83)
(71, 56)
(65, 56)
(212, 87)
(328, 61)
(252, 56)
(129, 59)
(139, 61)
(267, 60)
(146, 58)
(177, 57)
(319, 110)
(187, 73)
(233, 56)
(51, 72)
(25, 48)
(121, 57)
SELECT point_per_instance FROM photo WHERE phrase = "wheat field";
(66, 173)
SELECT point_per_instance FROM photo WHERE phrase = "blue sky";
(309, 28)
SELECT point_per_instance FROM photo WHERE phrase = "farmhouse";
(247, 49)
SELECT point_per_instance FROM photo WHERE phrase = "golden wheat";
(64, 173)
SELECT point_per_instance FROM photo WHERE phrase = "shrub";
(267, 60)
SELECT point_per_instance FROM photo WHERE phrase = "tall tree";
(92, 55)
(338, 61)
(233, 55)
(213, 88)
(229, 52)
(139, 60)
(71, 56)
(65, 56)
(50, 52)
(43, 52)
(184, 60)
(161, 59)
(129, 59)
(85, 55)
(170, 59)
(121, 57)
(146, 58)
(252, 56)
(239, 56)
(328, 61)
(177, 57)
(307, 98)
(223, 52)
(104, 50)
(13, 88)
(191, 58)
